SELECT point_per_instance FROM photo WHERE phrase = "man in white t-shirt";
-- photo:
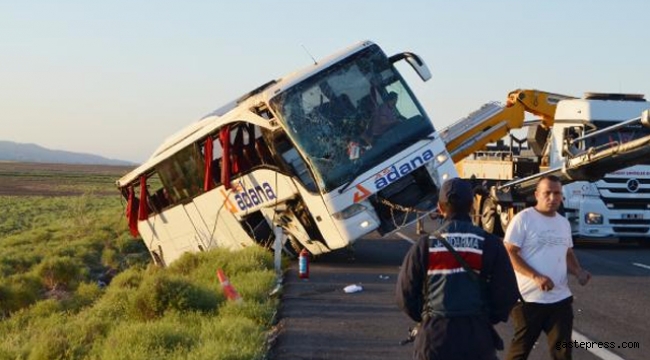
(539, 243)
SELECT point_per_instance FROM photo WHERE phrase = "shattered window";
(351, 116)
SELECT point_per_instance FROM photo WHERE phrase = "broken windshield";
(351, 116)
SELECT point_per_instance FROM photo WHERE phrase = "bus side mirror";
(645, 118)
(416, 63)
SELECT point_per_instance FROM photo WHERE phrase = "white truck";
(616, 207)
(603, 201)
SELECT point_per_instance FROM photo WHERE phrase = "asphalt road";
(318, 320)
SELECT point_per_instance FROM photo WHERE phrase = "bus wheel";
(489, 217)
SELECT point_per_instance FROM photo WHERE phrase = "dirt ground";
(37, 179)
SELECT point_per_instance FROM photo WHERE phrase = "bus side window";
(243, 152)
(216, 171)
(158, 196)
(263, 152)
(296, 163)
(249, 147)
(238, 162)
(159, 200)
(182, 174)
(217, 156)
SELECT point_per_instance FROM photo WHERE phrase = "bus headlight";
(349, 211)
(441, 158)
(432, 168)
(593, 218)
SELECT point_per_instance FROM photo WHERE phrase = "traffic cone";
(228, 289)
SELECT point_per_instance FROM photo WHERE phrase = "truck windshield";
(622, 135)
(351, 116)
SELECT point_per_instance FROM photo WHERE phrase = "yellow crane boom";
(493, 121)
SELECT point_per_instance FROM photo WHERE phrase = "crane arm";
(539, 103)
(493, 121)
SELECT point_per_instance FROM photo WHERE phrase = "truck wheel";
(489, 217)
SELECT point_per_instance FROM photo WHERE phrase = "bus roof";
(236, 110)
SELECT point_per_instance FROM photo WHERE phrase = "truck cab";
(617, 206)
(597, 145)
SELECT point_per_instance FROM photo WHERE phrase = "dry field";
(36, 179)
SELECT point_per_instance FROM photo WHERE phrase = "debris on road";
(352, 288)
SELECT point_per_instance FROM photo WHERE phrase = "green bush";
(42, 235)
(44, 308)
(64, 337)
(127, 279)
(164, 339)
(111, 258)
(7, 355)
(222, 340)
(261, 314)
(19, 291)
(85, 295)
(252, 259)
(60, 271)
(254, 285)
(188, 263)
(51, 343)
(16, 261)
(140, 260)
(5, 297)
(126, 244)
(113, 305)
(161, 292)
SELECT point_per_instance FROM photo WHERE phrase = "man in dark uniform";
(457, 309)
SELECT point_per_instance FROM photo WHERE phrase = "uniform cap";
(456, 191)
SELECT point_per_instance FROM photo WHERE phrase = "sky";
(115, 78)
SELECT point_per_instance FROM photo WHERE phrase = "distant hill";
(12, 151)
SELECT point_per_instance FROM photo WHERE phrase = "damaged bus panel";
(329, 154)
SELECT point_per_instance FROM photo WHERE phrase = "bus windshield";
(351, 116)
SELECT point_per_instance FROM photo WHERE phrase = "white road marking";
(405, 237)
(642, 265)
(601, 353)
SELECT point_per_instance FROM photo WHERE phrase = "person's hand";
(583, 277)
(544, 282)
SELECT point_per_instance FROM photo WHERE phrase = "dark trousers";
(530, 319)
(456, 338)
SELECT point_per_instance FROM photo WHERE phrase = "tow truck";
(597, 145)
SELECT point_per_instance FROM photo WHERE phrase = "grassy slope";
(54, 249)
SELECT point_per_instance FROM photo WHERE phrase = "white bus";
(315, 152)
